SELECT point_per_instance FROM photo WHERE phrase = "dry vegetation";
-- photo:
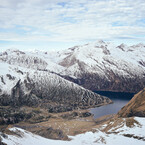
(135, 107)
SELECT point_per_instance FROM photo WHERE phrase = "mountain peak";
(122, 46)
(13, 51)
(139, 45)
(100, 41)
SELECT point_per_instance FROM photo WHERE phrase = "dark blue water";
(120, 99)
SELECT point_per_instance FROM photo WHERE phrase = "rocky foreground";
(79, 128)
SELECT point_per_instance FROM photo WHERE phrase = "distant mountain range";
(102, 66)
(98, 66)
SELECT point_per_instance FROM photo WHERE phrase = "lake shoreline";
(120, 99)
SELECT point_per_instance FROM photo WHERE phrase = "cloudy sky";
(56, 24)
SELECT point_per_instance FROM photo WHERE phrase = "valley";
(119, 100)
(72, 93)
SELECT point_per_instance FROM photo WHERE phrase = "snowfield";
(99, 56)
(88, 138)
(95, 57)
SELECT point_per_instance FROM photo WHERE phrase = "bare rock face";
(115, 82)
(135, 107)
(18, 97)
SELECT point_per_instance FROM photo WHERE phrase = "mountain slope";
(114, 131)
(135, 107)
(34, 60)
(31, 86)
(104, 66)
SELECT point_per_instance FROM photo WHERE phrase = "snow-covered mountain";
(104, 66)
(25, 80)
(38, 79)
(95, 66)
(37, 60)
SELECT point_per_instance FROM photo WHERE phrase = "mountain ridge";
(34, 87)
(104, 66)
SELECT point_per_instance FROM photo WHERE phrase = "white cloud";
(71, 20)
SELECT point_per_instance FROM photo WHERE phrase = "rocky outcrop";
(135, 107)
(18, 97)
(13, 115)
(10, 115)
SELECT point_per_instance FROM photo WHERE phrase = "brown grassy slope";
(135, 107)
